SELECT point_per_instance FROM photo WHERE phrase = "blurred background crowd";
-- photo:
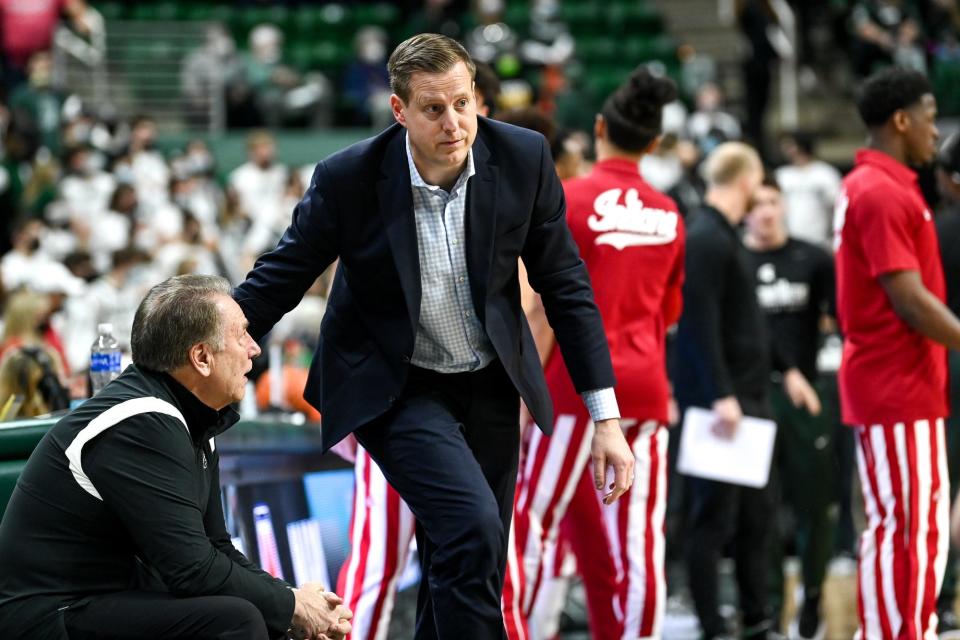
(139, 140)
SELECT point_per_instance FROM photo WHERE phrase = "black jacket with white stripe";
(123, 493)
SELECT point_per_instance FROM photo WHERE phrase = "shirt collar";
(618, 165)
(724, 222)
(202, 421)
(417, 180)
(886, 163)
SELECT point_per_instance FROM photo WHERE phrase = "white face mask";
(372, 51)
(94, 164)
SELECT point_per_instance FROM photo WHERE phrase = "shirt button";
(466, 314)
(454, 243)
(460, 279)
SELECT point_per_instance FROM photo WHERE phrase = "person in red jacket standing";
(893, 377)
(631, 238)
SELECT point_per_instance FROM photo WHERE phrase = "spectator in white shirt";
(710, 125)
(112, 229)
(260, 184)
(115, 297)
(810, 188)
(26, 257)
(86, 189)
(150, 173)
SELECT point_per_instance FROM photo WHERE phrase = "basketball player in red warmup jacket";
(631, 239)
(893, 378)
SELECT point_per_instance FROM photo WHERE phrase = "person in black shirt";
(795, 290)
(722, 363)
(116, 530)
(948, 232)
(948, 218)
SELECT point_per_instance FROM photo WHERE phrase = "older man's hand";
(320, 614)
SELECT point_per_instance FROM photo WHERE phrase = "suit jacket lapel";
(395, 201)
(480, 223)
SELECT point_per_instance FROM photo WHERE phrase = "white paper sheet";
(744, 459)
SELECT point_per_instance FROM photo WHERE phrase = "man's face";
(441, 118)
(921, 132)
(263, 153)
(750, 181)
(230, 366)
(145, 133)
(766, 213)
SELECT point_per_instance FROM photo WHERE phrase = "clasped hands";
(319, 614)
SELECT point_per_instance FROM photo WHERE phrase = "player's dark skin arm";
(920, 309)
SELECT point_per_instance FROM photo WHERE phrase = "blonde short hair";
(728, 162)
(427, 52)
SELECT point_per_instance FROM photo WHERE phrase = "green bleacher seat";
(220, 13)
(597, 50)
(248, 18)
(112, 10)
(9, 472)
(946, 86)
(642, 18)
(168, 11)
(299, 55)
(307, 19)
(380, 14)
(663, 47)
(149, 11)
(330, 55)
(198, 11)
(17, 442)
(280, 16)
(584, 17)
(636, 48)
(517, 17)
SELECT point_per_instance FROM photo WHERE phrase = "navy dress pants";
(450, 447)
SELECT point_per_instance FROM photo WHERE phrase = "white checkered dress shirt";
(450, 338)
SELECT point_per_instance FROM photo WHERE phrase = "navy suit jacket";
(359, 207)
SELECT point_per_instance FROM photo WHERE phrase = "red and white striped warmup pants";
(381, 530)
(619, 548)
(903, 550)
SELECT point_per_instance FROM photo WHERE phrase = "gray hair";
(175, 315)
(428, 52)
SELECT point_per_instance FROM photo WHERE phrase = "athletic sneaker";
(762, 631)
(809, 624)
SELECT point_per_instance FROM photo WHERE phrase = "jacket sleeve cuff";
(601, 403)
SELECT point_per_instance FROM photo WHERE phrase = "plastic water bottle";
(104, 358)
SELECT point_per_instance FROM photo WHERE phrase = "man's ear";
(900, 120)
(396, 106)
(654, 144)
(599, 127)
(201, 359)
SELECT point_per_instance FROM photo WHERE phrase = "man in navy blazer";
(424, 351)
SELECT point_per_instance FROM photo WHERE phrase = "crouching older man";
(115, 529)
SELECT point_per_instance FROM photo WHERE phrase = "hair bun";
(634, 111)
